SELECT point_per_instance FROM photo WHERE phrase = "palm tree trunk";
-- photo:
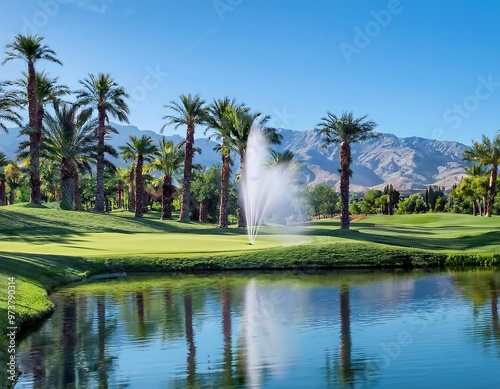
(492, 190)
(242, 220)
(3, 199)
(12, 195)
(473, 207)
(119, 192)
(35, 137)
(139, 186)
(99, 191)
(131, 193)
(76, 195)
(67, 185)
(188, 173)
(166, 198)
(224, 191)
(345, 173)
(204, 210)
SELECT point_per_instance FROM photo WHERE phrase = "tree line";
(66, 152)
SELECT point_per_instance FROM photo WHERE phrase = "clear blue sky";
(426, 68)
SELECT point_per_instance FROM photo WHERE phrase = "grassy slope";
(45, 248)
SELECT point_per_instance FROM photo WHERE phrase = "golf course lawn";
(44, 248)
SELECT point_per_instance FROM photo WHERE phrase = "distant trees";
(322, 200)
(169, 161)
(487, 154)
(141, 150)
(206, 191)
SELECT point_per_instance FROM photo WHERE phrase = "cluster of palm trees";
(74, 136)
(480, 186)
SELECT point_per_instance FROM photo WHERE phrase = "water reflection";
(336, 330)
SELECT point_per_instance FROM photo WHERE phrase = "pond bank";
(38, 275)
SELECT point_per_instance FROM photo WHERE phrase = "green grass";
(44, 248)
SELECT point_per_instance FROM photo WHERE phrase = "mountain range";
(409, 164)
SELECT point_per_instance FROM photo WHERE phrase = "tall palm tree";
(346, 130)
(69, 138)
(221, 118)
(189, 112)
(30, 49)
(141, 150)
(486, 153)
(3, 163)
(169, 162)
(102, 94)
(8, 100)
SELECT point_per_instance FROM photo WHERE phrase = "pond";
(343, 329)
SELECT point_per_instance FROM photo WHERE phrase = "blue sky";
(418, 68)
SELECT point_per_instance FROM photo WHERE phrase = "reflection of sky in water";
(287, 334)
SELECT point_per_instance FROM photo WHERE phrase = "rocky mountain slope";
(406, 163)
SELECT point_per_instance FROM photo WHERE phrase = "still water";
(278, 330)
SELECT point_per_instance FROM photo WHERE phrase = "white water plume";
(265, 186)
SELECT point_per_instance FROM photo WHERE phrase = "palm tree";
(242, 121)
(30, 49)
(141, 150)
(3, 163)
(169, 161)
(345, 130)
(221, 118)
(120, 178)
(14, 178)
(189, 112)
(68, 137)
(8, 100)
(47, 90)
(486, 153)
(103, 94)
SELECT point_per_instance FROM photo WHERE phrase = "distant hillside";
(407, 163)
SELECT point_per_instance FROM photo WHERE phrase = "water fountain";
(264, 186)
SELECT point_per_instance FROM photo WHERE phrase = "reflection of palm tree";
(139, 303)
(69, 340)
(346, 370)
(37, 359)
(191, 358)
(226, 329)
(101, 329)
(479, 288)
